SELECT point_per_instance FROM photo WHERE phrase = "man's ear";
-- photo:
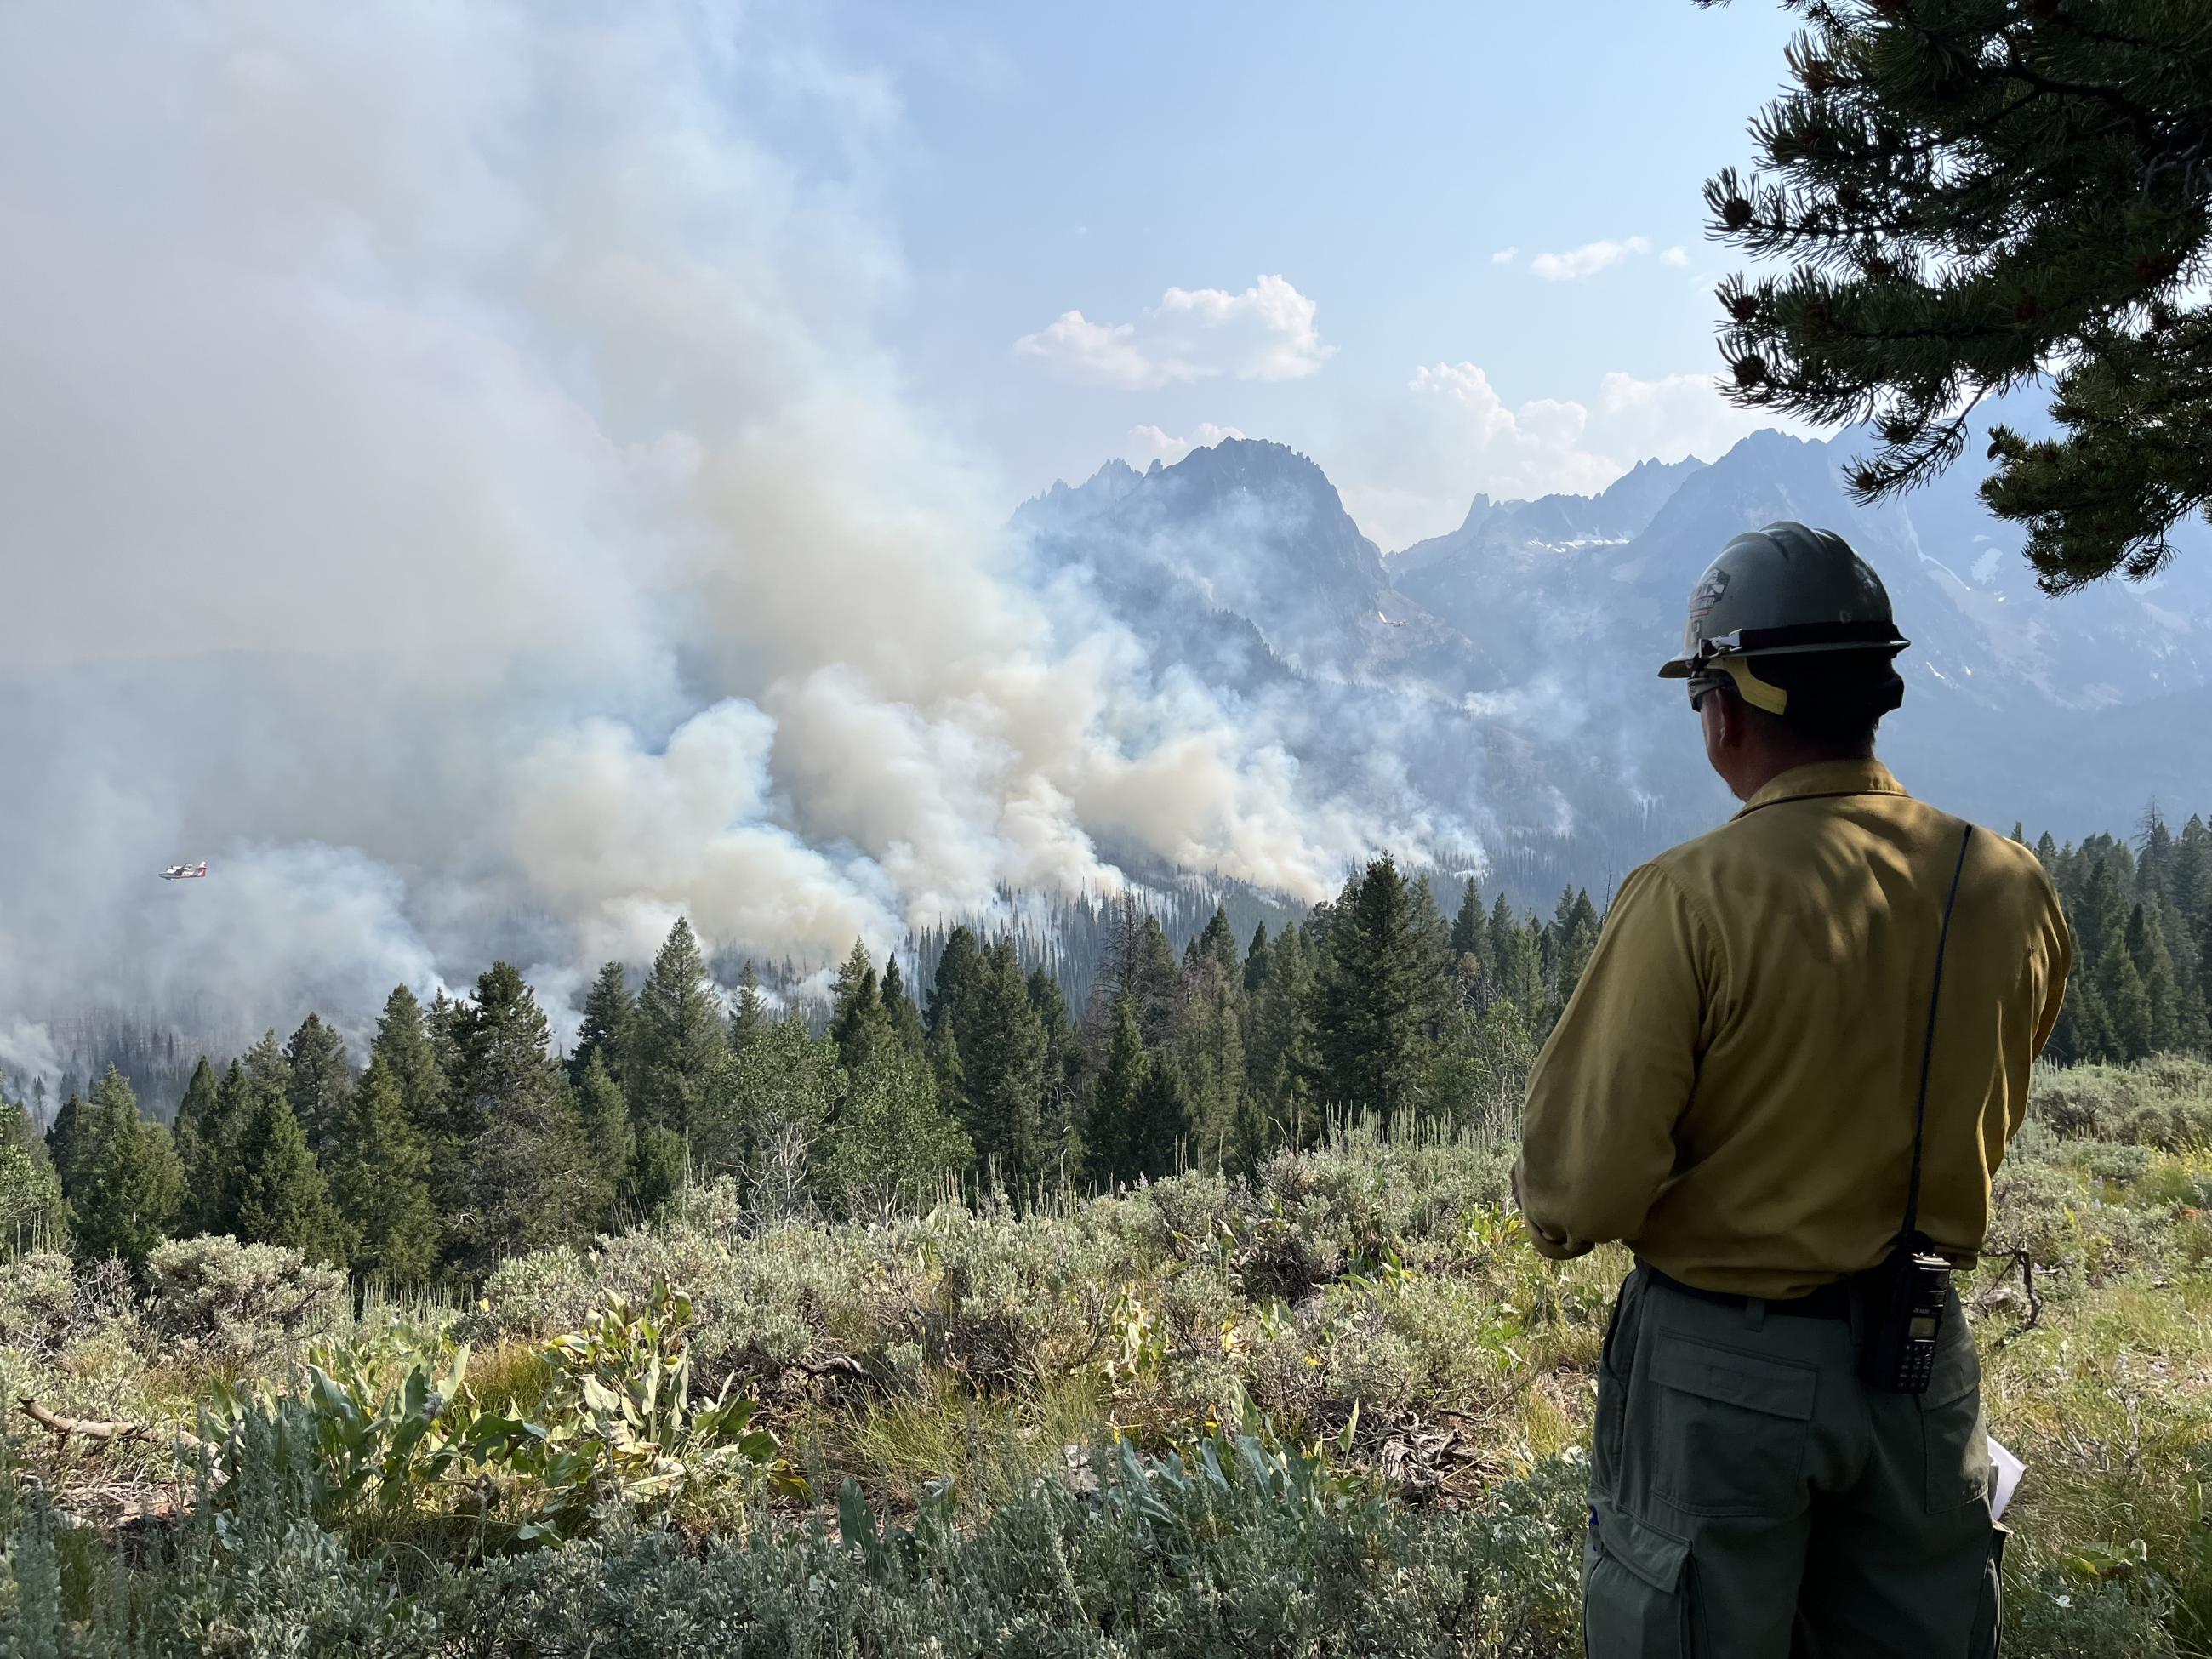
(1733, 716)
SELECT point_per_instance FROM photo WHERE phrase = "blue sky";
(1032, 161)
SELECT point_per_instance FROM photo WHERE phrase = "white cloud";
(1504, 256)
(1587, 260)
(1421, 464)
(1265, 333)
(1148, 444)
(1674, 255)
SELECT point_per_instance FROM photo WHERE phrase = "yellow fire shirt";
(1731, 1089)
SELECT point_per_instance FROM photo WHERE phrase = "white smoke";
(449, 480)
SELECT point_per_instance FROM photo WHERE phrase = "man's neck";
(1761, 766)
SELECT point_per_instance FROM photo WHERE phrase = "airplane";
(184, 872)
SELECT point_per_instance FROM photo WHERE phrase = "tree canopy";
(1971, 195)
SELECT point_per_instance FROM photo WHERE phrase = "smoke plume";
(452, 484)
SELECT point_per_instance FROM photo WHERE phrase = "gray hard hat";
(1784, 591)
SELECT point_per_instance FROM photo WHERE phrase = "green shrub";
(40, 1309)
(1234, 1548)
(237, 1308)
(537, 1294)
(258, 1579)
(2067, 1224)
(2164, 1102)
(391, 1429)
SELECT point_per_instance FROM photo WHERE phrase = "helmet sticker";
(1708, 594)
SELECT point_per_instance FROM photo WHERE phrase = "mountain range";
(1498, 683)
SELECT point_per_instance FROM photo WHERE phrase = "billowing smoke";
(449, 480)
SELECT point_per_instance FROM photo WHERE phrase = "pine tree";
(2146, 947)
(1255, 961)
(2082, 1032)
(946, 1066)
(1430, 934)
(2141, 917)
(196, 1109)
(192, 1138)
(1283, 1063)
(1161, 1122)
(1383, 996)
(657, 1169)
(748, 1011)
(1519, 970)
(682, 1046)
(604, 1031)
(1002, 1052)
(1155, 982)
(124, 1183)
(1109, 1129)
(206, 1141)
(1575, 930)
(1121, 934)
(2190, 941)
(608, 1134)
(899, 1008)
(959, 971)
(263, 1075)
(1059, 1106)
(527, 1179)
(405, 1046)
(277, 1192)
(1217, 940)
(1474, 968)
(2046, 852)
(441, 1027)
(2130, 1029)
(380, 1184)
(1972, 194)
(65, 1139)
(858, 1024)
(1209, 1044)
(320, 1088)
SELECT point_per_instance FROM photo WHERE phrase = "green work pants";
(1751, 1498)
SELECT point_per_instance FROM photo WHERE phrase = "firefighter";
(1785, 1081)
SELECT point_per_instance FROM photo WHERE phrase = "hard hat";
(1788, 591)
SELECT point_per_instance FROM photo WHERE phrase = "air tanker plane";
(184, 872)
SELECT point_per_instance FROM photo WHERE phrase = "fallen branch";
(841, 1366)
(99, 1432)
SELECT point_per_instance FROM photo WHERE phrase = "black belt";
(1829, 1302)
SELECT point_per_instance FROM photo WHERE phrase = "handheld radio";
(1909, 1292)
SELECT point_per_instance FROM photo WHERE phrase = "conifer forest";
(831, 1323)
(462, 1135)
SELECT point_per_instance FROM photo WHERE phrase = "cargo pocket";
(1635, 1592)
(1728, 1429)
(1952, 1440)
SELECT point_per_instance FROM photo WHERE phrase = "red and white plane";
(184, 872)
